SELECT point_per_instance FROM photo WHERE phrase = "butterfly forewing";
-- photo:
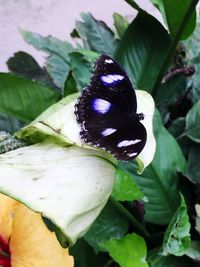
(113, 84)
(106, 112)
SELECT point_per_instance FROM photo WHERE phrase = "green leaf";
(24, 65)
(159, 180)
(193, 123)
(181, 22)
(48, 44)
(176, 13)
(157, 260)
(129, 251)
(180, 15)
(70, 85)
(196, 78)
(125, 189)
(142, 49)
(177, 127)
(109, 224)
(85, 256)
(193, 172)
(58, 69)
(194, 251)
(177, 236)
(159, 5)
(169, 93)
(192, 43)
(9, 124)
(96, 35)
(121, 24)
(185, 143)
(24, 99)
(57, 62)
(81, 66)
(197, 227)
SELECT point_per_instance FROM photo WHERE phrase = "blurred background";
(55, 17)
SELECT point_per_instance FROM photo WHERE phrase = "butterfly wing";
(111, 81)
(103, 111)
(123, 137)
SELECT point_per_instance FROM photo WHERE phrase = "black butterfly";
(106, 112)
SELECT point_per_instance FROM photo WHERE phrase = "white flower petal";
(68, 185)
(145, 105)
(59, 121)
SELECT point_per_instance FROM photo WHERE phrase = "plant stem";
(135, 223)
(187, 71)
(109, 263)
(173, 45)
(133, 4)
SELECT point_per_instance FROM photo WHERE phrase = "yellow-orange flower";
(25, 241)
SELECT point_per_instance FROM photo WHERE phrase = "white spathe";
(59, 121)
(68, 185)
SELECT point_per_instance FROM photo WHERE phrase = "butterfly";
(107, 112)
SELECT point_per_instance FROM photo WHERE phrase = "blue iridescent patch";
(111, 78)
(101, 106)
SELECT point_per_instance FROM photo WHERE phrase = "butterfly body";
(106, 112)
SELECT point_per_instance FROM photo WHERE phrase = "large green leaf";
(185, 19)
(193, 123)
(129, 251)
(109, 224)
(180, 15)
(24, 99)
(177, 236)
(96, 35)
(159, 180)
(57, 62)
(142, 49)
(183, 25)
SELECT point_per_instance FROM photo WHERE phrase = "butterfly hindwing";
(124, 139)
(106, 112)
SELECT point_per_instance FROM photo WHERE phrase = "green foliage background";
(150, 219)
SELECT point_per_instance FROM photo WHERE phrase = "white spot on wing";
(132, 154)
(109, 61)
(125, 143)
(101, 106)
(111, 78)
(108, 131)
